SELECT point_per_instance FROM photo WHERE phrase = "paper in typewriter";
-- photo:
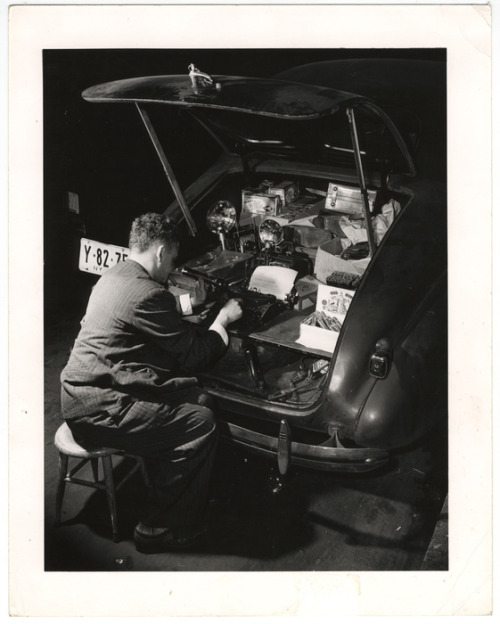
(273, 280)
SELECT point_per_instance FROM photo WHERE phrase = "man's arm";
(157, 317)
(186, 302)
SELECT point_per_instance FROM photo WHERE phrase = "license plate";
(98, 257)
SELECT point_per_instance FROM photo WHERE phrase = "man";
(129, 385)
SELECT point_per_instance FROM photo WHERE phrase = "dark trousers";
(178, 442)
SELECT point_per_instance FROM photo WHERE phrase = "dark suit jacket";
(132, 344)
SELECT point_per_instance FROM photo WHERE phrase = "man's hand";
(200, 293)
(230, 312)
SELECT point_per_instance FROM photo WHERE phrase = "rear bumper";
(286, 451)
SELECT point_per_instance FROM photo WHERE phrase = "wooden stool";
(67, 448)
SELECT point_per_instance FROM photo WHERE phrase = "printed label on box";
(260, 203)
(333, 301)
(320, 330)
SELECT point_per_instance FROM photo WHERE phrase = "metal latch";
(380, 361)
(331, 198)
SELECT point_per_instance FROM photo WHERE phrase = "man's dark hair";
(151, 228)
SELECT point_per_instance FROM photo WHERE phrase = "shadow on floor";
(246, 518)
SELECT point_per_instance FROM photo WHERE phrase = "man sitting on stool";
(128, 384)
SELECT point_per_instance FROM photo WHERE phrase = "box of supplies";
(259, 203)
(314, 337)
(287, 191)
(320, 330)
(347, 199)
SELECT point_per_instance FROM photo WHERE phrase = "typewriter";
(262, 279)
(266, 293)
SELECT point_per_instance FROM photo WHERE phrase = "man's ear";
(160, 253)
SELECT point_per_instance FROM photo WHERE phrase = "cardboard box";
(306, 288)
(264, 186)
(328, 260)
(287, 191)
(347, 199)
(317, 338)
(333, 303)
(259, 203)
(302, 208)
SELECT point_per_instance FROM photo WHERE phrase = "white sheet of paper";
(273, 280)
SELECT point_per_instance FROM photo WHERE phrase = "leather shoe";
(170, 540)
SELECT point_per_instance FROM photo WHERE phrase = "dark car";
(325, 212)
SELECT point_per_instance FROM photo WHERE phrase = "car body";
(383, 384)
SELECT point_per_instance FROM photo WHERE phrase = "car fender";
(406, 275)
(412, 398)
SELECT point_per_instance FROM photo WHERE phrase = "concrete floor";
(318, 521)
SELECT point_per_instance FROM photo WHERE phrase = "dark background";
(380, 521)
(102, 153)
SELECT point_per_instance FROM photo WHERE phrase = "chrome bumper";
(286, 451)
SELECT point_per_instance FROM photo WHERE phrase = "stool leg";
(110, 493)
(61, 485)
(95, 468)
(144, 471)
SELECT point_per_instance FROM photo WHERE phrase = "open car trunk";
(279, 361)
(314, 161)
(291, 219)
